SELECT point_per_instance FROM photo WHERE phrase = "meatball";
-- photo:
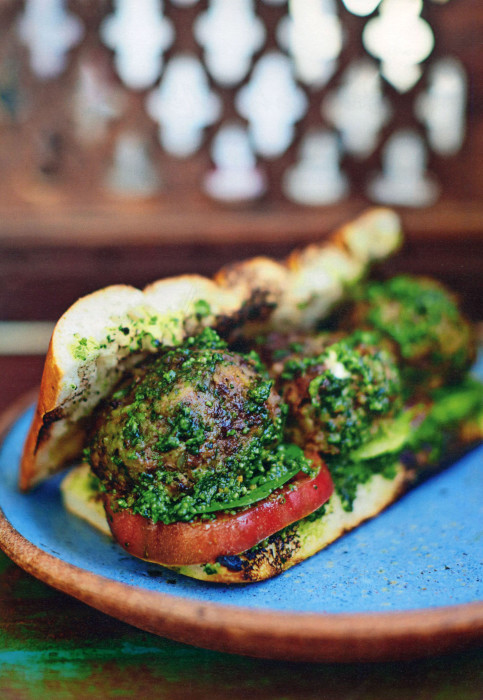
(197, 417)
(420, 318)
(337, 399)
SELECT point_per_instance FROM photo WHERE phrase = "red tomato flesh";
(203, 541)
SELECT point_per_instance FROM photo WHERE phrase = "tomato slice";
(203, 541)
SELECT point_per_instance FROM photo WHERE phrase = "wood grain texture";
(157, 223)
(46, 264)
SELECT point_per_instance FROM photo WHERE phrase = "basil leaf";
(253, 496)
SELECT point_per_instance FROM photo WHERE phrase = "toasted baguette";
(105, 332)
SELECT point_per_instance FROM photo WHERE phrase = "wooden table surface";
(52, 646)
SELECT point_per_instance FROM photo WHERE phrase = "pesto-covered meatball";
(337, 399)
(192, 425)
(421, 319)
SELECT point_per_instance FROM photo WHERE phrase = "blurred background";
(146, 138)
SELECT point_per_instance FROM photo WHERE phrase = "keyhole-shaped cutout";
(235, 177)
(183, 105)
(404, 180)
(95, 102)
(357, 108)
(316, 179)
(401, 39)
(138, 33)
(230, 33)
(50, 32)
(132, 173)
(442, 107)
(312, 34)
(362, 8)
(272, 103)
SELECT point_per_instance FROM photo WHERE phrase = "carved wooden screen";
(149, 116)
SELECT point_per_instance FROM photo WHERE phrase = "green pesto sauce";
(347, 475)
(179, 440)
(352, 390)
(379, 456)
(424, 321)
(317, 514)
(216, 491)
(83, 348)
(347, 400)
(211, 569)
(202, 308)
(141, 331)
(452, 405)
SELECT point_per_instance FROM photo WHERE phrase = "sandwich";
(230, 428)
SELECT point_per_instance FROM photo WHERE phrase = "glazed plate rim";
(275, 634)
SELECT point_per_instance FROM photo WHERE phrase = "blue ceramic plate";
(422, 554)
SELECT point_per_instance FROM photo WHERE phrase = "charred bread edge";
(114, 325)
